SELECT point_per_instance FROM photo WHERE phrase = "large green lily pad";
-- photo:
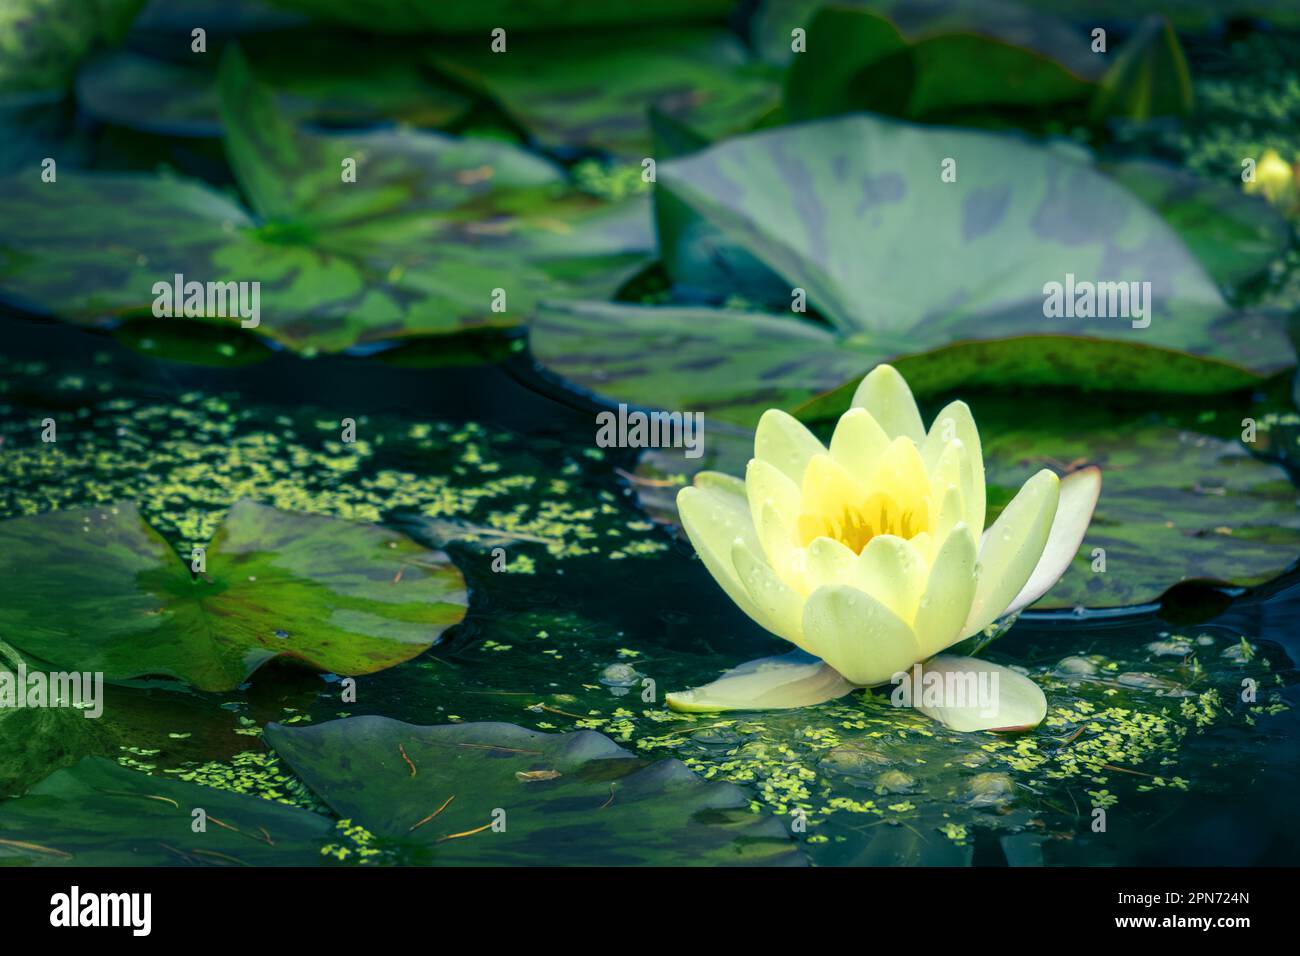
(855, 212)
(564, 799)
(97, 813)
(415, 247)
(97, 589)
(592, 89)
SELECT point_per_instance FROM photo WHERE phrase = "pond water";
(1146, 721)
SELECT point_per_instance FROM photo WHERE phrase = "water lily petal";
(715, 513)
(948, 595)
(828, 491)
(952, 469)
(785, 442)
(1012, 549)
(769, 683)
(1079, 493)
(857, 635)
(884, 393)
(829, 562)
(955, 422)
(766, 486)
(780, 606)
(1017, 703)
(858, 442)
(893, 571)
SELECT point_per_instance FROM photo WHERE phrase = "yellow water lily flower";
(872, 555)
(1275, 178)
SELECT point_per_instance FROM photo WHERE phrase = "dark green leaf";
(99, 590)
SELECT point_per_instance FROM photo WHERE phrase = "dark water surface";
(1145, 720)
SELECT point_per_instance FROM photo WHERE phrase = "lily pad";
(99, 590)
(35, 739)
(498, 794)
(855, 211)
(1179, 503)
(730, 365)
(933, 59)
(315, 78)
(97, 813)
(591, 89)
(416, 246)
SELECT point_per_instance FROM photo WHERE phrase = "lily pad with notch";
(97, 589)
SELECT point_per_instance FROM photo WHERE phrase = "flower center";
(854, 524)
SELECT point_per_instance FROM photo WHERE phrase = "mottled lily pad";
(99, 590)
(591, 90)
(555, 799)
(415, 247)
(855, 211)
(97, 813)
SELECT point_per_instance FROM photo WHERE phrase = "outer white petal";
(1079, 493)
(956, 422)
(785, 442)
(769, 683)
(857, 635)
(1012, 549)
(858, 442)
(884, 393)
(948, 594)
(715, 513)
(767, 487)
(780, 606)
(1017, 704)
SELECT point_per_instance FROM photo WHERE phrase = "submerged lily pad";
(99, 590)
(498, 794)
(415, 246)
(97, 813)
(591, 90)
